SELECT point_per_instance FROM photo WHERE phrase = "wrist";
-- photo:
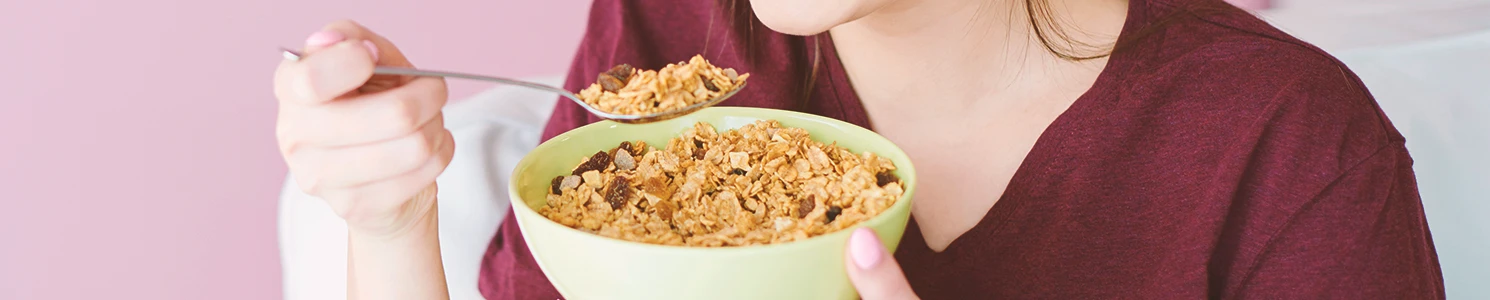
(417, 217)
(401, 261)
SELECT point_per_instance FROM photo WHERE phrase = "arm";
(1363, 237)
(401, 264)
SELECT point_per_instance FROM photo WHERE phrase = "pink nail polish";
(865, 248)
(324, 38)
(371, 49)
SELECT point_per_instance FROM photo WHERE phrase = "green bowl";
(589, 266)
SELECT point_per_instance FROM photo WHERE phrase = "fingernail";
(865, 248)
(371, 49)
(324, 38)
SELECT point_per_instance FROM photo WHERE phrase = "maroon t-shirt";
(1217, 158)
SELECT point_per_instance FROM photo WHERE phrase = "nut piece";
(570, 182)
(624, 161)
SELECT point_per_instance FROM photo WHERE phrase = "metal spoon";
(629, 119)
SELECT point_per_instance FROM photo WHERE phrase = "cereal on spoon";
(759, 184)
(627, 91)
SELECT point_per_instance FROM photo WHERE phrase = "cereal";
(760, 184)
(627, 91)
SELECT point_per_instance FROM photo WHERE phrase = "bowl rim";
(907, 170)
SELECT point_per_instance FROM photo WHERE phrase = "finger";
(367, 118)
(873, 271)
(388, 54)
(361, 164)
(385, 54)
(377, 198)
(325, 75)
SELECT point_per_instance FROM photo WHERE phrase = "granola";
(760, 184)
(627, 91)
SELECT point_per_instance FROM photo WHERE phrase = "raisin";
(622, 72)
(805, 206)
(609, 83)
(833, 212)
(627, 146)
(615, 79)
(737, 171)
(597, 162)
(708, 84)
(554, 187)
(617, 192)
(885, 177)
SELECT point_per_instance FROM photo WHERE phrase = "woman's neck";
(962, 49)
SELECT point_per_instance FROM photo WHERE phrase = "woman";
(1069, 149)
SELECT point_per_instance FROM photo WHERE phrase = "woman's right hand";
(370, 145)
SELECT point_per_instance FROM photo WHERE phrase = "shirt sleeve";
(1363, 237)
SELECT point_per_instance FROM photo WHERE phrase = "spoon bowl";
(619, 118)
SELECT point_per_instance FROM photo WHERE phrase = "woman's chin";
(810, 17)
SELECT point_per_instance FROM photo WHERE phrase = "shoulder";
(1252, 90)
(1278, 93)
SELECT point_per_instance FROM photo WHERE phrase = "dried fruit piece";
(615, 79)
(554, 186)
(833, 212)
(597, 162)
(627, 146)
(708, 84)
(617, 192)
(885, 177)
(805, 205)
(622, 72)
(610, 83)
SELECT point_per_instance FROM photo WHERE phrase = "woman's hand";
(873, 270)
(371, 146)
(365, 143)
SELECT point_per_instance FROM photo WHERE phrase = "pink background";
(137, 154)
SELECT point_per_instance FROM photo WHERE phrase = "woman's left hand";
(873, 270)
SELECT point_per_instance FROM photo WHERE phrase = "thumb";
(873, 271)
(382, 51)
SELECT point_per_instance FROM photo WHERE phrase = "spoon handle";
(416, 72)
(296, 55)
